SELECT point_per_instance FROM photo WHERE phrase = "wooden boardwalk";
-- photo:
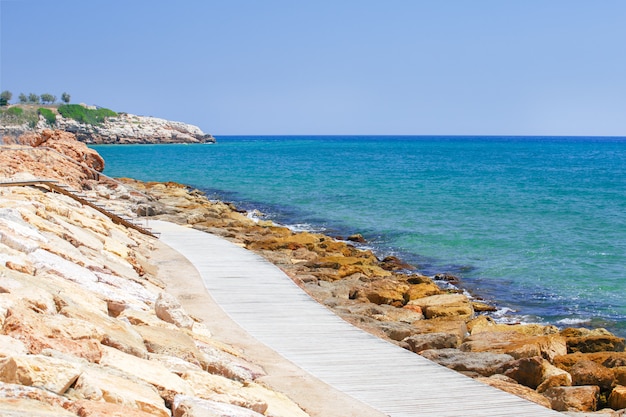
(268, 305)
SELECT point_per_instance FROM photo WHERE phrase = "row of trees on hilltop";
(32, 98)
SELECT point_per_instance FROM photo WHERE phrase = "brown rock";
(516, 345)
(590, 373)
(583, 398)
(606, 359)
(483, 363)
(420, 342)
(617, 399)
(597, 340)
(423, 290)
(455, 326)
(516, 389)
(537, 373)
(445, 305)
(385, 292)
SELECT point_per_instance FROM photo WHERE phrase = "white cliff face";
(122, 129)
(129, 128)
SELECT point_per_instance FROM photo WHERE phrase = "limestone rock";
(516, 344)
(583, 398)
(171, 342)
(617, 399)
(587, 341)
(218, 388)
(591, 373)
(20, 400)
(85, 408)
(96, 384)
(444, 305)
(168, 309)
(537, 372)
(420, 342)
(10, 346)
(516, 389)
(167, 383)
(482, 363)
(53, 374)
(186, 406)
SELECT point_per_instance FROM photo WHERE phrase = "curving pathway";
(273, 309)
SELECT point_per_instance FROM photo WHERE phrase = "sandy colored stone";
(115, 333)
(516, 344)
(218, 388)
(167, 383)
(591, 373)
(419, 342)
(53, 374)
(98, 384)
(583, 398)
(185, 406)
(445, 305)
(482, 363)
(168, 309)
(516, 389)
(172, 342)
(537, 373)
(596, 340)
(617, 399)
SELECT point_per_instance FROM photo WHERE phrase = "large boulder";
(584, 398)
(478, 363)
(516, 344)
(596, 340)
(516, 389)
(444, 305)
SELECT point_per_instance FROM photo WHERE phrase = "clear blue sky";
(436, 67)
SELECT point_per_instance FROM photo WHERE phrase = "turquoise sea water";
(537, 226)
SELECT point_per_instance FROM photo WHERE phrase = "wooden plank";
(273, 309)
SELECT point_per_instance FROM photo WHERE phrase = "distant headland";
(96, 125)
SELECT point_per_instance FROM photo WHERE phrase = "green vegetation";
(5, 97)
(17, 115)
(85, 115)
(48, 114)
(15, 111)
(48, 98)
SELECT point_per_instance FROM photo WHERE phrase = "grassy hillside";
(20, 114)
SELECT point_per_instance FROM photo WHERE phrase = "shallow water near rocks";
(536, 226)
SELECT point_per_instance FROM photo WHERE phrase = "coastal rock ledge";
(122, 129)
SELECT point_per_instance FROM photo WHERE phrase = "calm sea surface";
(535, 225)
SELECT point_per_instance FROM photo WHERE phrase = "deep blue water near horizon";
(536, 226)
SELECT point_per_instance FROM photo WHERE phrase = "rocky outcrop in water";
(128, 128)
(122, 129)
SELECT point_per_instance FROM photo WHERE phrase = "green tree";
(48, 98)
(22, 98)
(65, 98)
(5, 97)
(33, 98)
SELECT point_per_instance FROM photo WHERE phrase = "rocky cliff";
(122, 129)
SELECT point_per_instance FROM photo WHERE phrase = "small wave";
(573, 321)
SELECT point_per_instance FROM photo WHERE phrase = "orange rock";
(583, 398)
(617, 399)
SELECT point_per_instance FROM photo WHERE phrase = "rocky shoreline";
(122, 129)
(577, 371)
